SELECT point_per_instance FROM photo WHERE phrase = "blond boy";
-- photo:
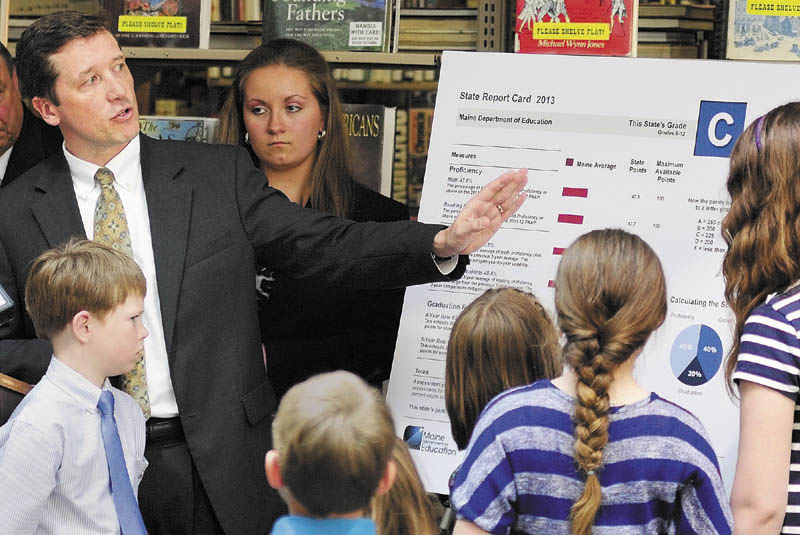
(72, 454)
(333, 438)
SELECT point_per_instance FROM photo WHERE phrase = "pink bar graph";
(570, 218)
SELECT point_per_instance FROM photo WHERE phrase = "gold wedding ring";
(499, 208)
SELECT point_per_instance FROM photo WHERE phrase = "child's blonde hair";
(406, 508)
(78, 275)
(334, 437)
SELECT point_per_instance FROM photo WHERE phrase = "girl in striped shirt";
(592, 451)
(762, 271)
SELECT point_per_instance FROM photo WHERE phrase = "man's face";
(97, 111)
(10, 109)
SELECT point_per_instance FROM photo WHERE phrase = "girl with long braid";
(762, 287)
(592, 451)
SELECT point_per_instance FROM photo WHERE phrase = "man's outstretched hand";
(482, 216)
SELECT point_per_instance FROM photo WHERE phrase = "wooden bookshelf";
(395, 59)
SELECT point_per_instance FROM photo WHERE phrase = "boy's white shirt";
(53, 470)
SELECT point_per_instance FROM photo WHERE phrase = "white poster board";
(640, 144)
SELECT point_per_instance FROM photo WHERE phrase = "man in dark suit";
(198, 218)
(24, 139)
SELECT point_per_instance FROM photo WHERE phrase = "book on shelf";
(17, 25)
(201, 129)
(437, 41)
(676, 24)
(668, 50)
(646, 36)
(436, 4)
(717, 41)
(22, 13)
(426, 29)
(252, 10)
(235, 11)
(581, 27)
(235, 34)
(412, 23)
(684, 11)
(399, 178)
(29, 8)
(342, 25)
(759, 30)
(435, 47)
(420, 123)
(371, 133)
(159, 23)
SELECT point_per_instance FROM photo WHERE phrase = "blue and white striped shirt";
(770, 356)
(53, 471)
(660, 474)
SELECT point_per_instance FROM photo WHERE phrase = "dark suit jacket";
(211, 216)
(310, 328)
(37, 140)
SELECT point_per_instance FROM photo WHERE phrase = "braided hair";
(610, 295)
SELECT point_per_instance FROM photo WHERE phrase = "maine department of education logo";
(413, 436)
(418, 439)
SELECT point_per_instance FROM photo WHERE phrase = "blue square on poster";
(719, 125)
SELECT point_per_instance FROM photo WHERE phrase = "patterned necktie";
(130, 518)
(111, 228)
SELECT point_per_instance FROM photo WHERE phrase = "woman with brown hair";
(593, 451)
(285, 109)
(762, 271)
(504, 338)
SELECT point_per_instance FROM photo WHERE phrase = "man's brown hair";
(334, 437)
(78, 275)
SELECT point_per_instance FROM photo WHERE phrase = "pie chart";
(696, 355)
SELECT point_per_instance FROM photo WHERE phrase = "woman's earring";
(247, 137)
(321, 134)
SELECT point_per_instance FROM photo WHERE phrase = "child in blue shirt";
(333, 437)
(56, 472)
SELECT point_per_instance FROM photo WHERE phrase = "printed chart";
(696, 355)
(632, 143)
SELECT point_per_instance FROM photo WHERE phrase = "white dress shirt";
(4, 162)
(53, 470)
(127, 169)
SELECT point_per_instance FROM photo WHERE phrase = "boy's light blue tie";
(130, 518)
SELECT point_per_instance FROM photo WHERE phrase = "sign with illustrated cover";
(763, 30)
(577, 27)
(161, 23)
(358, 25)
(598, 156)
(201, 129)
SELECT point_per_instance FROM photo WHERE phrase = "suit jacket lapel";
(58, 220)
(169, 207)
